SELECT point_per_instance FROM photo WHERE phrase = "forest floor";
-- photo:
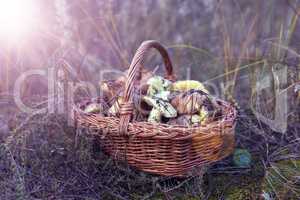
(43, 158)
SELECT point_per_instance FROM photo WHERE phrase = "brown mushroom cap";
(188, 102)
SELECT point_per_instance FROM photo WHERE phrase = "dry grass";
(232, 45)
(46, 159)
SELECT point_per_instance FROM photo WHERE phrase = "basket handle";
(127, 106)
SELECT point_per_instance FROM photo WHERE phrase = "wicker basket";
(160, 148)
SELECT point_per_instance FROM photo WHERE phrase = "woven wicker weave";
(161, 148)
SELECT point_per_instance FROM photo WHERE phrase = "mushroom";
(164, 95)
(94, 108)
(157, 84)
(203, 114)
(154, 116)
(160, 108)
(187, 85)
(189, 102)
(186, 120)
(111, 88)
(115, 108)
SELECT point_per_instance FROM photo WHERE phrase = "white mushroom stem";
(165, 108)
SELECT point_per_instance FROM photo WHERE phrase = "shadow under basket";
(169, 150)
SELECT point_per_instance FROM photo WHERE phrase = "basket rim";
(160, 130)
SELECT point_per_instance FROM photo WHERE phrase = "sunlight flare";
(17, 19)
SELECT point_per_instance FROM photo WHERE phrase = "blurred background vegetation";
(224, 43)
(247, 51)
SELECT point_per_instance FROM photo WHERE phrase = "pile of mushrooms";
(186, 103)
